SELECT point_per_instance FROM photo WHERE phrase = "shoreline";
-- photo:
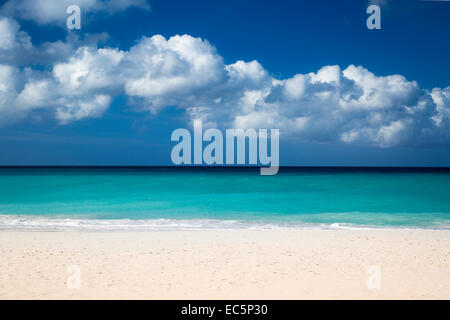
(43, 223)
(281, 229)
(227, 264)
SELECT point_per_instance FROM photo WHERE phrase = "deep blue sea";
(223, 198)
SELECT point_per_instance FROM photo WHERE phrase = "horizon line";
(219, 167)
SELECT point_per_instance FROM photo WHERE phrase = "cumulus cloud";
(24, 91)
(8, 93)
(332, 104)
(74, 90)
(10, 35)
(16, 47)
(54, 11)
(13, 40)
(172, 72)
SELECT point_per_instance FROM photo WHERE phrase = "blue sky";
(384, 98)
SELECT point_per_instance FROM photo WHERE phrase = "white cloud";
(76, 89)
(10, 35)
(351, 105)
(35, 94)
(16, 47)
(8, 92)
(54, 11)
(173, 71)
(83, 108)
(88, 70)
(7, 33)
(441, 97)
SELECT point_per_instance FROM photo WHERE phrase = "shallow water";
(199, 198)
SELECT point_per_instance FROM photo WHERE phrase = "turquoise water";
(165, 198)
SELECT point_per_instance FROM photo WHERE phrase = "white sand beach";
(238, 264)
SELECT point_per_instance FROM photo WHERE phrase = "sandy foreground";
(238, 264)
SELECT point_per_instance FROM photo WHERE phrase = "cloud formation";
(54, 11)
(333, 104)
(16, 47)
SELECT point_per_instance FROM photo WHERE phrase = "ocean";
(191, 198)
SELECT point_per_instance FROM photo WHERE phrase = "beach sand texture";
(227, 264)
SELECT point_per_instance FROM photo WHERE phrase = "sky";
(112, 92)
